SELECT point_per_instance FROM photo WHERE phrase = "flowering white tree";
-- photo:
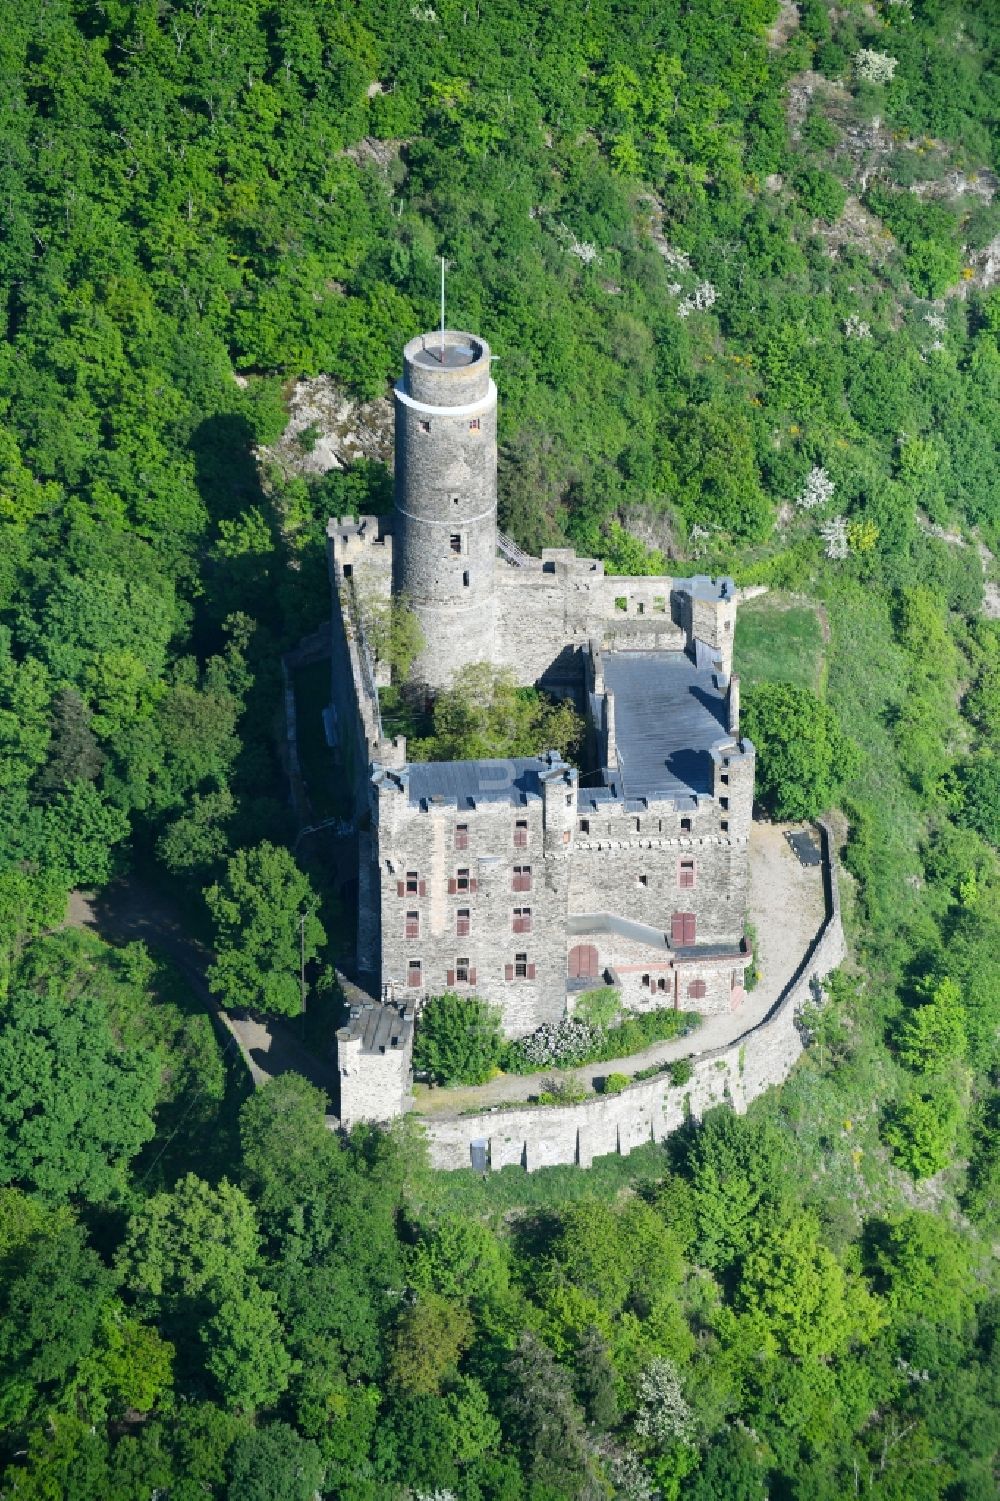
(697, 301)
(663, 1412)
(629, 1477)
(834, 534)
(874, 67)
(817, 491)
(855, 327)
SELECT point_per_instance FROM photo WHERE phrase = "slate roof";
(668, 715)
(467, 783)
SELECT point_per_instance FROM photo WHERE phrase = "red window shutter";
(472, 977)
(400, 888)
(449, 977)
(473, 884)
(531, 971)
(421, 888)
(677, 928)
(508, 971)
(690, 927)
(452, 887)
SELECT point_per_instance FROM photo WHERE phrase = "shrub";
(680, 1070)
(458, 1040)
(615, 1083)
(570, 1043)
(820, 193)
(599, 1008)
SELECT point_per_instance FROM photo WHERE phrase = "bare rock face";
(330, 430)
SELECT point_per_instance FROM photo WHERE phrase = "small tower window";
(462, 971)
(461, 836)
(455, 542)
(685, 825)
(686, 873)
(522, 919)
(414, 973)
(520, 833)
(465, 579)
(424, 426)
(413, 925)
(522, 878)
(462, 922)
(696, 990)
(584, 825)
(473, 424)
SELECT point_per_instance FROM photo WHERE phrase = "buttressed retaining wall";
(549, 1136)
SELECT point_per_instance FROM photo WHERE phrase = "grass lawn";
(779, 642)
(511, 1190)
(320, 765)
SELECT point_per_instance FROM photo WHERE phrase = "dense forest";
(740, 264)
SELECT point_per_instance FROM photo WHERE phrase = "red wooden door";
(583, 962)
(683, 928)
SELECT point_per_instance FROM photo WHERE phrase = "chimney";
(733, 700)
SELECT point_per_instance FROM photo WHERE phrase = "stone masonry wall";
(650, 1110)
(559, 603)
(423, 842)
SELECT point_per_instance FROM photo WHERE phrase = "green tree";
(980, 785)
(543, 1420)
(933, 1035)
(430, 1336)
(191, 1243)
(485, 715)
(921, 1127)
(923, 1268)
(244, 1350)
(264, 912)
(458, 1039)
(803, 758)
(53, 1296)
(274, 1463)
(802, 1298)
(75, 1106)
(735, 1168)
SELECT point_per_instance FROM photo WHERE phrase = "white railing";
(511, 553)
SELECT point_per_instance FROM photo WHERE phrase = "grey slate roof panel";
(467, 782)
(668, 715)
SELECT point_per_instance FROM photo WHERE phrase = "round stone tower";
(446, 499)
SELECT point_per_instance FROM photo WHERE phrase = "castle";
(526, 882)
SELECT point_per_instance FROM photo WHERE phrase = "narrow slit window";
(465, 579)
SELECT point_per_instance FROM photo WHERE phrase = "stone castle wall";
(539, 1136)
